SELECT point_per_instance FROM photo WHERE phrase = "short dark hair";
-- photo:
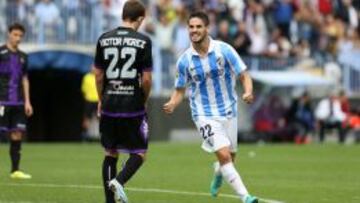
(200, 14)
(16, 26)
(133, 9)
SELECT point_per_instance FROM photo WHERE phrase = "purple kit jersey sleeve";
(99, 57)
(147, 58)
(24, 61)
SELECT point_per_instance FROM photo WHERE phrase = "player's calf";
(132, 165)
(108, 173)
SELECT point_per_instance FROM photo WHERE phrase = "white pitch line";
(150, 190)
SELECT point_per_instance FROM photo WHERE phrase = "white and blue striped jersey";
(211, 79)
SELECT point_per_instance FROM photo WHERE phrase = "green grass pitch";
(69, 173)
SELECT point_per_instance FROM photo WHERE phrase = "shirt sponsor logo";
(117, 88)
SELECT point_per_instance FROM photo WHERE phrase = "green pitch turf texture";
(69, 173)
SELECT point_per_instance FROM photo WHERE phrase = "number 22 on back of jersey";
(113, 72)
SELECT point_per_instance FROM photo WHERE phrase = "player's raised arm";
(176, 98)
(247, 84)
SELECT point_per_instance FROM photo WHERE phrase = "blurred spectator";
(223, 11)
(165, 8)
(180, 33)
(301, 116)
(96, 18)
(113, 13)
(307, 20)
(324, 6)
(279, 46)
(72, 17)
(256, 27)
(77, 15)
(283, 15)
(333, 30)
(90, 120)
(242, 41)
(302, 49)
(21, 11)
(212, 5)
(354, 123)
(213, 29)
(3, 18)
(50, 24)
(223, 32)
(269, 121)
(329, 115)
(164, 35)
(344, 102)
(236, 8)
(348, 13)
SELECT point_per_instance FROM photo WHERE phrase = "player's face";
(15, 37)
(197, 30)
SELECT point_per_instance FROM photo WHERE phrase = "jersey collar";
(211, 48)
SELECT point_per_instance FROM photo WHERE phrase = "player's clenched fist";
(169, 107)
(248, 98)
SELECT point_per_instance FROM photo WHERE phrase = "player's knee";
(224, 157)
(16, 136)
(113, 154)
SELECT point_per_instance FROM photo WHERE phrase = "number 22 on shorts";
(206, 131)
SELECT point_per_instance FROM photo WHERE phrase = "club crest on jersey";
(22, 60)
(220, 61)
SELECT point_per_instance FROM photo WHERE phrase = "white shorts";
(217, 133)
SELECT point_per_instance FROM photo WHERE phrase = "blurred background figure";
(354, 123)
(164, 30)
(49, 23)
(283, 11)
(91, 121)
(301, 116)
(330, 115)
(242, 40)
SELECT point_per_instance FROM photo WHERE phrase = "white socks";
(233, 178)
(217, 170)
